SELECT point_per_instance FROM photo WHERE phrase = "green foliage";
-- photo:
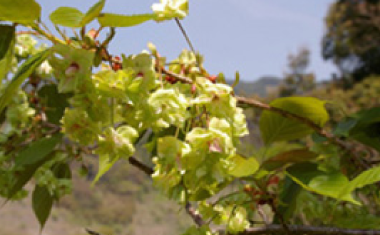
(72, 17)
(242, 167)
(42, 204)
(275, 127)
(326, 183)
(25, 70)
(7, 40)
(20, 11)
(58, 111)
(114, 20)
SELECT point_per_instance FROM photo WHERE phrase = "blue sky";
(251, 36)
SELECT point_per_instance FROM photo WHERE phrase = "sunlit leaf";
(242, 167)
(325, 183)
(105, 164)
(93, 12)
(115, 20)
(275, 127)
(367, 177)
(67, 16)
(20, 11)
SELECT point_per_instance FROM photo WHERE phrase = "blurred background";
(323, 48)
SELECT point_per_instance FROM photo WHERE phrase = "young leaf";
(275, 127)
(105, 164)
(20, 11)
(67, 16)
(242, 167)
(367, 177)
(115, 20)
(26, 69)
(37, 150)
(93, 12)
(42, 203)
(325, 183)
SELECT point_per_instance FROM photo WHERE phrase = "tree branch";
(329, 136)
(304, 230)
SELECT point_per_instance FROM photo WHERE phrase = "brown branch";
(305, 230)
(194, 215)
(146, 169)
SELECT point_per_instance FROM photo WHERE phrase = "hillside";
(259, 87)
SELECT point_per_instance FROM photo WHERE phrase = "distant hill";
(259, 87)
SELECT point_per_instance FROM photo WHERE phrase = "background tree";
(352, 38)
(297, 80)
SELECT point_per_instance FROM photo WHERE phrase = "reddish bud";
(116, 66)
(212, 78)
(170, 79)
(273, 180)
(193, 89)
(92, 33)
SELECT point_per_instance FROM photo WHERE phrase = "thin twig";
(329, 136)
(187, 40)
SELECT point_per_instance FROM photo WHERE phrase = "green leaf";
(67, 16)
(325, 183)
(37, 151)
(367, 177)
(31, 159)
(62, 171)
(7, 40)
(292, 156)
(115, 20)
(93, 12)
(288, 199)
(242, 167)
(7, 35)
(237, 79)
(20, 11)
(367, 128)
(74, 18)
(26, 69)
(275, 127)
(344, 128)
(42, 203)
(54, 102)
(105, 164)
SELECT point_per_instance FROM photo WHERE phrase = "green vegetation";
(170, 148)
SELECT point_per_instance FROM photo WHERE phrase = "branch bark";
(304, 230)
